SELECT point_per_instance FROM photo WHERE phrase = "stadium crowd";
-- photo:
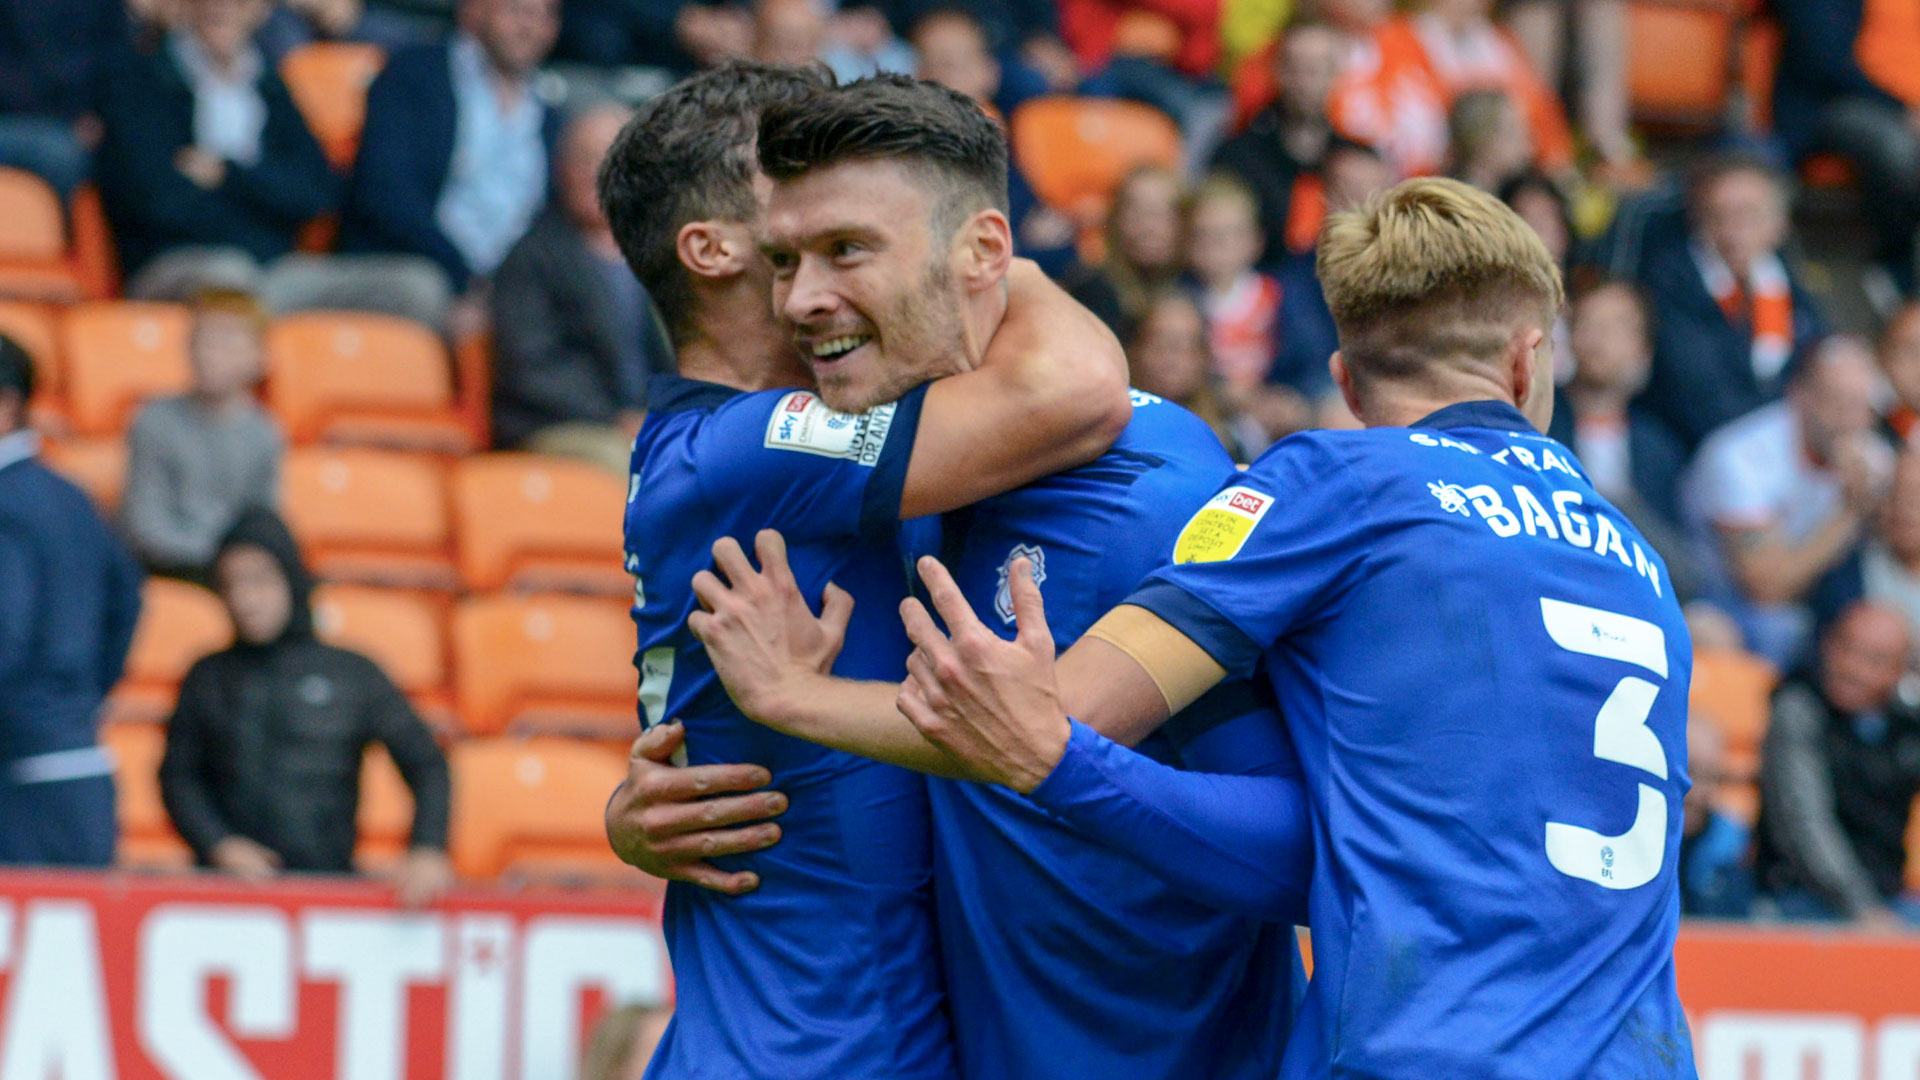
(410, 185)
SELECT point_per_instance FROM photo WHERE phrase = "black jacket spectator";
(406, 151)
(266, 742)
(560, 344)
(1837, 789)
(54, 52)
(149, 115)
(1817, 66)
(1656, 458)
(1703, 373)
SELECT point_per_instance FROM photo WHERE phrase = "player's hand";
(765, 643)
(990, 703)
(669, 820)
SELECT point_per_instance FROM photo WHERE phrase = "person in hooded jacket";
(262, 769)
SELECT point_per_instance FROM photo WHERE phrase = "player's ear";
(713, 249)
(984, 246)
(1531, 374)
(1343, 379)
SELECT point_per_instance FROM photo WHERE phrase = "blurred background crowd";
(314, 301)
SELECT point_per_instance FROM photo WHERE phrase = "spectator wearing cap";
(575, 339)
(53, 56)
(1281, 152)
(262, 768)
(72, 597)
(208, 172)
(1732, 312)
(455, 156)
(1631, 456)
(1838, 774)
(1781, 497)
(195, 461)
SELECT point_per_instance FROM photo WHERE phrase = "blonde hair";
(1431, 275)
(225, 301)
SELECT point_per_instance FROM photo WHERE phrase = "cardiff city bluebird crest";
(1003, 595)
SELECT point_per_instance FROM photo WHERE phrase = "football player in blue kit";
(1063, 959)
(1480, 660)
(829, 968)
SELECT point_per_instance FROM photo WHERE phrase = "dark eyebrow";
(820, 236)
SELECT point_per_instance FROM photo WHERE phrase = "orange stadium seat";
(534, 522)
(118, 354)
(1687, 58)
(97, 465)
(385, 815)
(352, 377)
(147, 838)
(402, 631)
(179, 624)
(376, 517)
(545, 663)
(1733, 691)
(34, 263)
(1077, 150)
(328, 81)
(94, 258)
(533, 809)
(1913, 848)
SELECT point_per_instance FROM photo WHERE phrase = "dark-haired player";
(1064, 960)
(828, 968)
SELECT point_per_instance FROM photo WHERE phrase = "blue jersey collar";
(18, 446)
(1497, 415)
(674, 393)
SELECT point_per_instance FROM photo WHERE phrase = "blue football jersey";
(1067, 960)
(830, 968)
(1485, 673)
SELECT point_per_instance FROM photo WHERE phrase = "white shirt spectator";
(1754, 473)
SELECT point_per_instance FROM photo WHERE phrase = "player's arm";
(1050, 394)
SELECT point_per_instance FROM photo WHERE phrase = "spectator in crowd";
(262, 768)
(623, 1042)
(1169, 357)
(1246, 313)
(1601, 35)
(575, 339)
(454, 159)
(1889, 569)
(1631, 456)
(952, 47)
(1848, 84)
(1838, 773)
(72, 596)
(1716, 871)
(196, 461)
(1355, 172)
(208, 172)
(1779, 498)
(1145, 249)
(1731, 312)
(1490, 145)
(53, 57)
(679, 35)
(1543, 206)
(1900, 361)
(1281, 152)
(302, 22)
(1023, 34)
(1181, 85)
(853, 43)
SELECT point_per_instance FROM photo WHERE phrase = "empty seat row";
(332, 376)
(522, 808)
(538, 663)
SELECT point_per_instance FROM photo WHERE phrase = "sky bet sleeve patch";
(801, 421)
(1222, 526)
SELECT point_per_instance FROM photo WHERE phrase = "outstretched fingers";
(1029, 610)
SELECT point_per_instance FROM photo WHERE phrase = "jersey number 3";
(1620, 733)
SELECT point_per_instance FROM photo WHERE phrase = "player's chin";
(844, 387)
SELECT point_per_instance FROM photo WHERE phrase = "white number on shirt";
(1620, 733)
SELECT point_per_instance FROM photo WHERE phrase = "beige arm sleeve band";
(1181, 669)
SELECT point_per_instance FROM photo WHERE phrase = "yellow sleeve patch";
(1220, 529)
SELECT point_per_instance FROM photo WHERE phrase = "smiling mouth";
(834, 349)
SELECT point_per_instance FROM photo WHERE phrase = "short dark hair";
(939, 131)
(687, 155)
(16, 369)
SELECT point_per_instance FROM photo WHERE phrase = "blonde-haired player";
(1480, 661)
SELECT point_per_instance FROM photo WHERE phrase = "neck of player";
(735, 341)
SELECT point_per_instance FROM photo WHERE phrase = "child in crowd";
(196, 461)
(1169, 357)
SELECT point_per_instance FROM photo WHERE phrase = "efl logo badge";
(803, 422)
(1221, 528)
